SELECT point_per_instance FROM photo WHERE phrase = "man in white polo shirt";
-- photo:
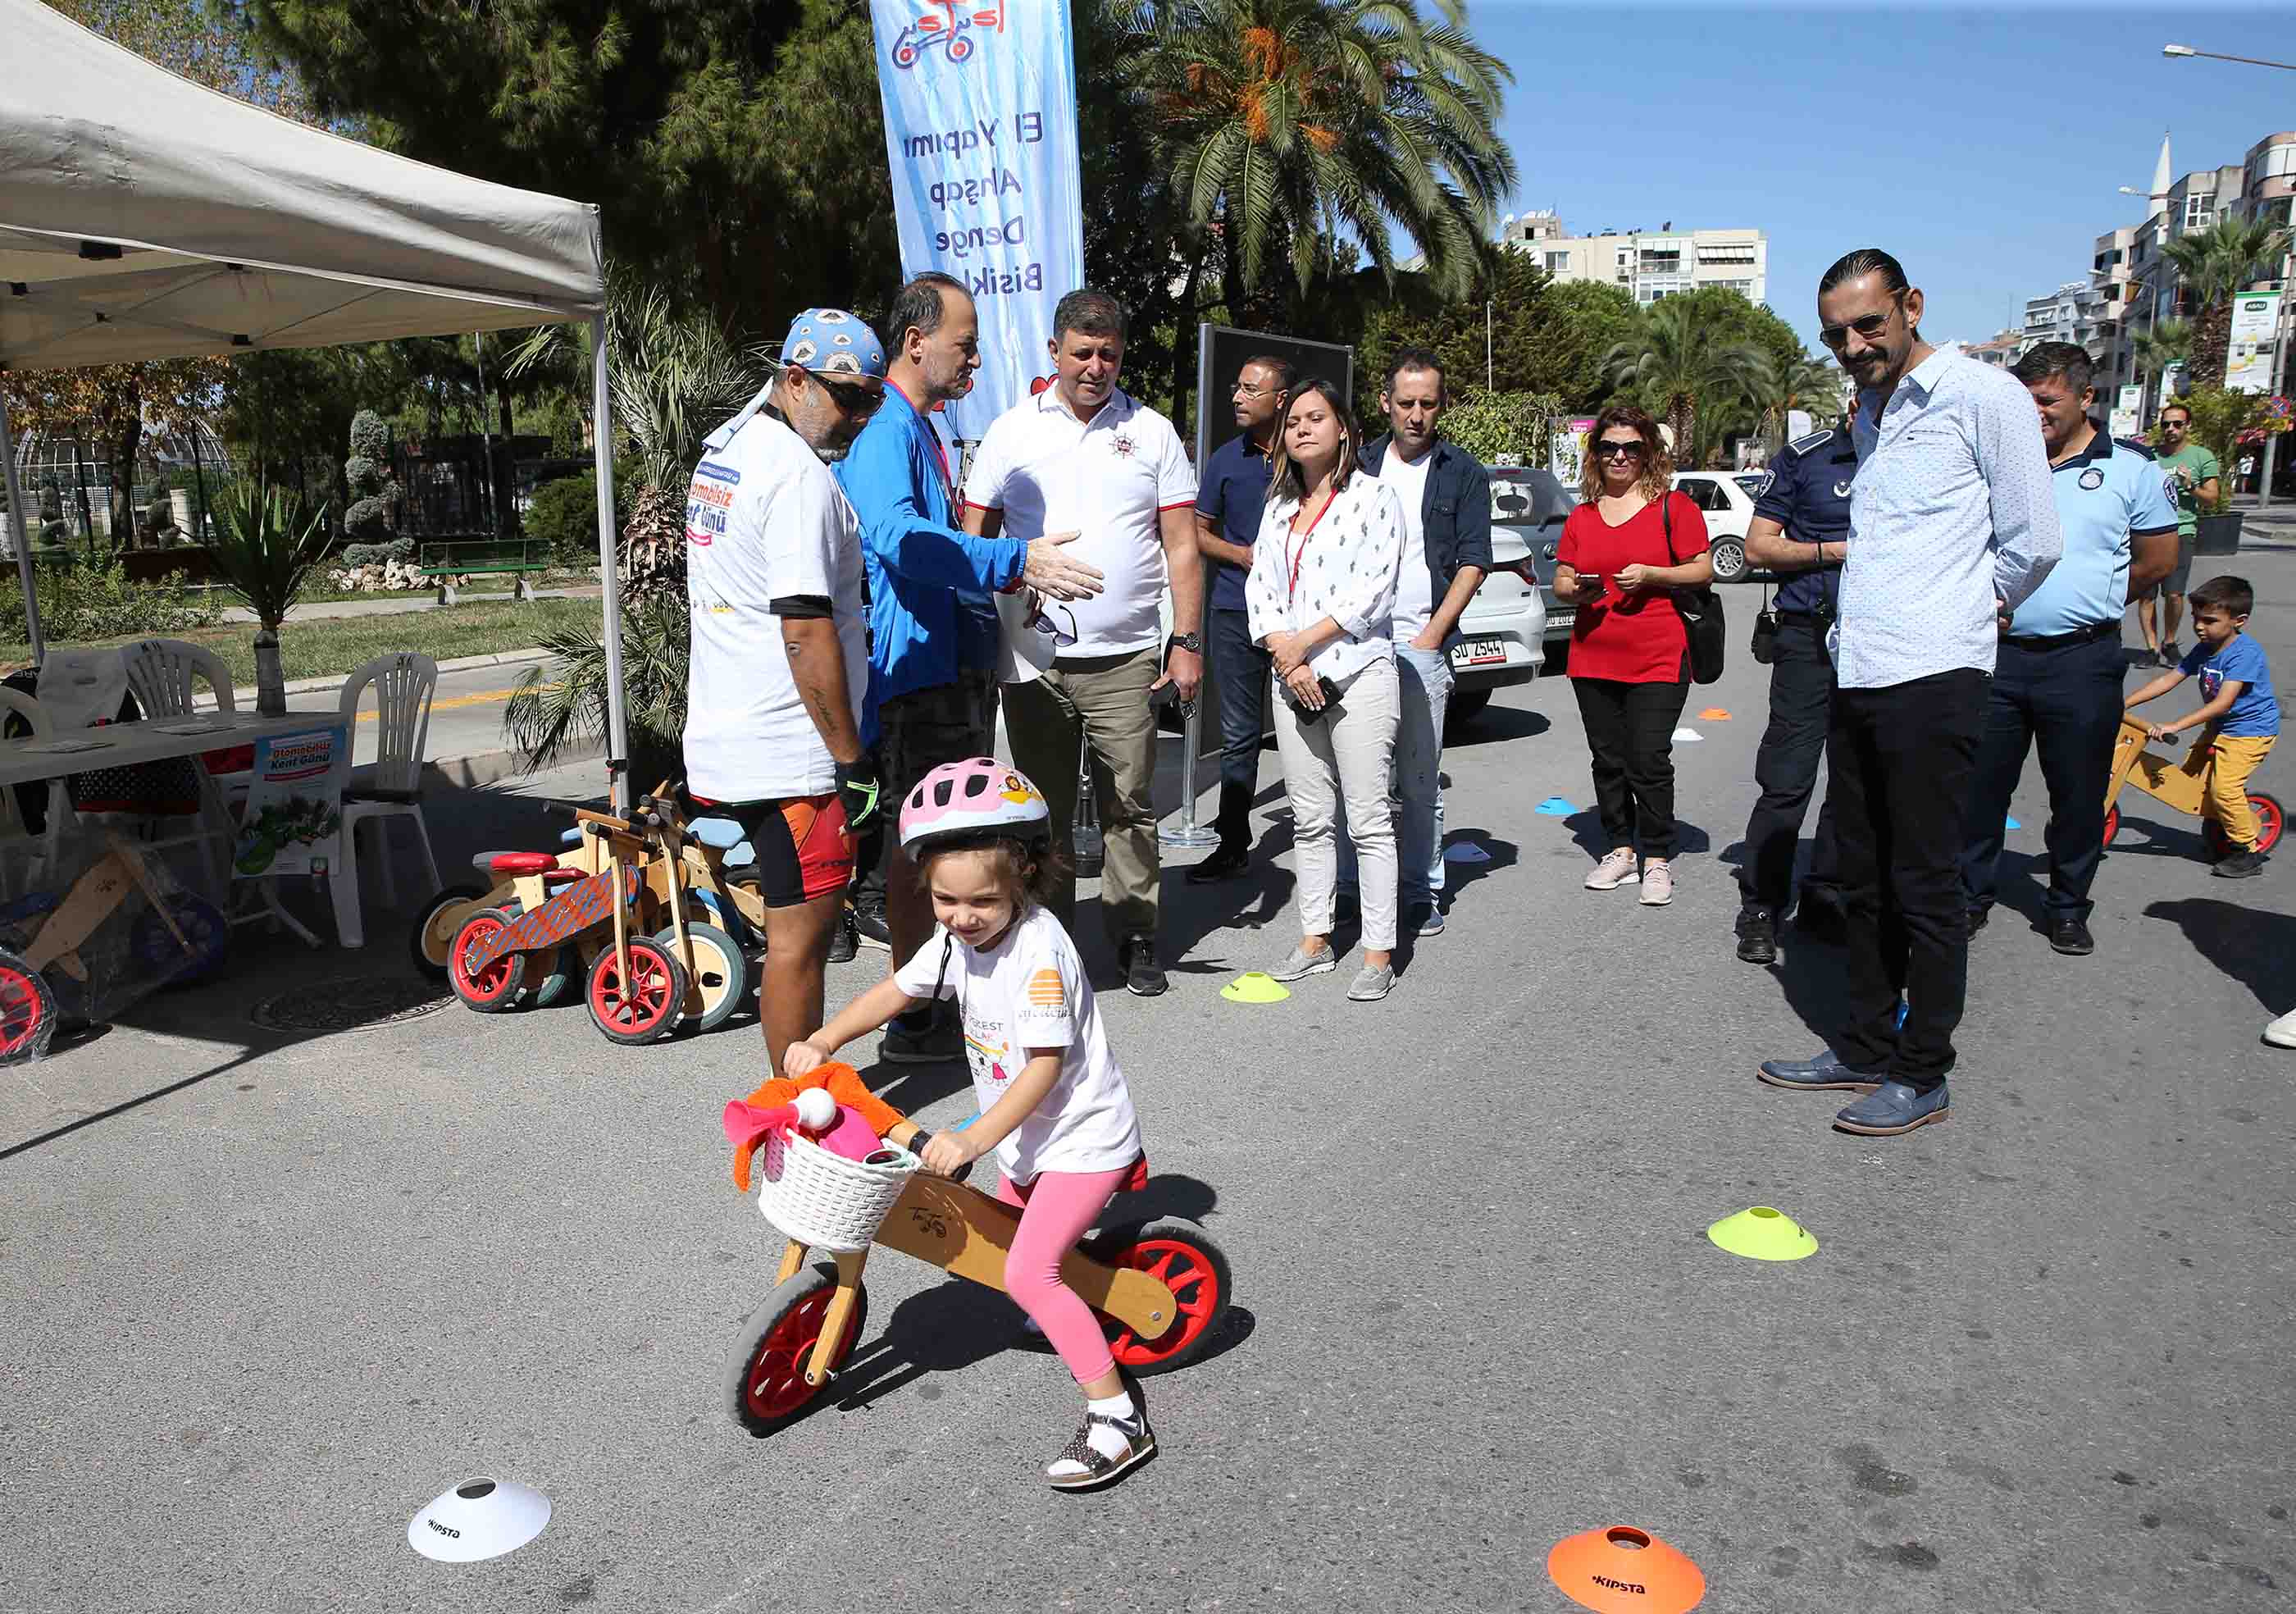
(780, 658)
(1085, 455)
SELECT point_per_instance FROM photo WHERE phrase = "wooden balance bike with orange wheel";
(1161, 1287)
(2182, 785)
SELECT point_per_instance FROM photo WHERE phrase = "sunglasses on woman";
(1621, 451)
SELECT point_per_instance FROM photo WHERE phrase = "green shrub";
(375, 554)
(100, 603)
(564, 515)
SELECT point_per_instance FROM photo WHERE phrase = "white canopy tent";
(146, 216)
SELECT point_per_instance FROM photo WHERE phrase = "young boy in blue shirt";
(2236, 706)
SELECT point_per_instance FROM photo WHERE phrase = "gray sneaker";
(1372, 983)
(1431, 919)
(1299, 964)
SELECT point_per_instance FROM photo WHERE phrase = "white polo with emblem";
(1109, 480)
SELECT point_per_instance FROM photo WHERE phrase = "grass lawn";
(331, 646)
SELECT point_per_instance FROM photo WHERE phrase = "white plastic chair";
(162, 674)
(404, 685)
(15, 834)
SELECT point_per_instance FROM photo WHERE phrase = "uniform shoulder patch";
(2143, 450)
(1810, 441)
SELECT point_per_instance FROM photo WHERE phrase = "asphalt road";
(295, 1288)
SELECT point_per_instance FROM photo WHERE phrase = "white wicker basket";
(823, 1199)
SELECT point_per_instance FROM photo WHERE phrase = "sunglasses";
(1062, 637)
(854, 403)
(1622, 451)
(1868, 327)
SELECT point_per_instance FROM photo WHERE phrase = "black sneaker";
(1143, 978)
(1758, 936)
(844, 946)
(1226, 863)
(2241, 866)
(1818, 917)
(1977, 918)
(869, 925)
(2170, 656)
(2070, 936)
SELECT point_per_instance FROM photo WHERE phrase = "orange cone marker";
(1714, 714)
(1623, 1570)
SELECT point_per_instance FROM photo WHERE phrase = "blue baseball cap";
(832, 342)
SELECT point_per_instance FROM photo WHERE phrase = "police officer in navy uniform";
(1800, 530)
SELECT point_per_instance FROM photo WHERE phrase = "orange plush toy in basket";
(1161, 1287)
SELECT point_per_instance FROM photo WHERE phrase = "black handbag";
(1700, 607)
(1764, 645)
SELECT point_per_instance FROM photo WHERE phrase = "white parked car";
(1727, 500)
(1503, 631)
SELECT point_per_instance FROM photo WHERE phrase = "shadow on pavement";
(1586, 827)
(1495, 724)
(2255, 947)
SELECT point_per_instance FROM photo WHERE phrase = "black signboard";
(1222, 351)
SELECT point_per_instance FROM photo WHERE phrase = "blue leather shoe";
(1817, 1075)
(1894, 1108)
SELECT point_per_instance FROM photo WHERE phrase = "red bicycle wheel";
(2270, 820)
(28, 1013)
(646, 1006)
(2111, 824)
(495, 988)
(1180, 1253)
(767, 1376)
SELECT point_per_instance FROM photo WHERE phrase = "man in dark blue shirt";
(1231, 490)
(1801, 528)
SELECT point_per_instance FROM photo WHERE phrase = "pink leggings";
(1056, 1211)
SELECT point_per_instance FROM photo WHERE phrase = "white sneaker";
(2282, 1033)
(1657, 885)
(1616, 869)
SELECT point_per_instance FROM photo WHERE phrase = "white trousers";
(1350, 754)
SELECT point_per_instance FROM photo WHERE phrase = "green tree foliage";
(2169, 342)
(1513, 427)
(736, 151)
(1544, 336)
(2215, 265)
(1679, 360)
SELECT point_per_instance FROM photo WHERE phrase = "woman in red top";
(1630, 653)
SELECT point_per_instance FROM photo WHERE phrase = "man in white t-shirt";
(1084, 455)
(779, 658)
(1446, 495)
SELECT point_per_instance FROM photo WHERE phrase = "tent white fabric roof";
(146, 216)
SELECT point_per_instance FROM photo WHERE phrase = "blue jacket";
(930, 614)
(1454, 515)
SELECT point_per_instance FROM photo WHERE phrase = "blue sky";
(1984, 149)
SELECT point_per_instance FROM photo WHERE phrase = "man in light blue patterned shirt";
(1952, 523)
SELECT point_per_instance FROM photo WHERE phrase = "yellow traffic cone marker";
(1763, 1234)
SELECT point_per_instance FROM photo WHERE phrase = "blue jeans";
(1423, 680)
(1239, 677)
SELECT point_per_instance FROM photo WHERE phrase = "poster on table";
(294, 811)
(981, 131)
(1222, 351)
(2255, 325)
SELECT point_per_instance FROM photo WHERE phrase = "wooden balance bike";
(2181, 784)
(1160, 1287)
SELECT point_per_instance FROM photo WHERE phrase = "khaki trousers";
(1099, 702)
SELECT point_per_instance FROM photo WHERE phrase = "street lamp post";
(2174, 51)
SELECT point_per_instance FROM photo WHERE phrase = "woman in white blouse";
(1319, 598)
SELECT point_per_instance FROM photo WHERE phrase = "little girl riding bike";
(1054, 1104)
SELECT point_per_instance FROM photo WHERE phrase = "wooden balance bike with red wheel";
(1161, 1287)
(2182, 785)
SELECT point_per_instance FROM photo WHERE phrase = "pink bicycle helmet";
(979, 795)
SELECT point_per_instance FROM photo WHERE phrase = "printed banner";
(981, 128)
(294, 810)
(2128, 410)
(1567, 455)
(2255, 323)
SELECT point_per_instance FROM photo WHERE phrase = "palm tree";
(1811, 385)
(2169, 342)
(1297, 124)
(1673, 362)
(2218, 264)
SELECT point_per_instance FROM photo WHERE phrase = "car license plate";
(1479, 653)
(1561, 616)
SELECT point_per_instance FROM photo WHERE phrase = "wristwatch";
(1192, 643)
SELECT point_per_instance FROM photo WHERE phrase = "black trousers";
(2066, 702)
(1240, 675)
(1902, 760)
(1801, 708)
(1630, 732)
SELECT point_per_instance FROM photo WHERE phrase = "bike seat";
(560, 877)
(723, 835)
(513, 864)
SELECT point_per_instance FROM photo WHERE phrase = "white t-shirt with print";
(1030, 991)
(764, 520)
(1414, 584)
(1109, 480)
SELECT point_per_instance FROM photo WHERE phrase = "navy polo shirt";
(1232, 490)
(2105, 493)
(1808, 495)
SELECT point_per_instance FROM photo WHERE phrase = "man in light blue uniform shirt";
(2058, 680)
(1951, 526)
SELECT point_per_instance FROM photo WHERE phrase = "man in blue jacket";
(1447, 551)
(932, 620)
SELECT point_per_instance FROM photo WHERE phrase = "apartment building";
(1650, 263)
(2078, 311)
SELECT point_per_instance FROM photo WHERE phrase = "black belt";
(2079, 636)
(1803, 619)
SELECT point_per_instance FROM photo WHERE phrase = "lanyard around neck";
(1298, 553)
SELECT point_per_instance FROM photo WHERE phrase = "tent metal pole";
(602, 432)
(23, 544)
